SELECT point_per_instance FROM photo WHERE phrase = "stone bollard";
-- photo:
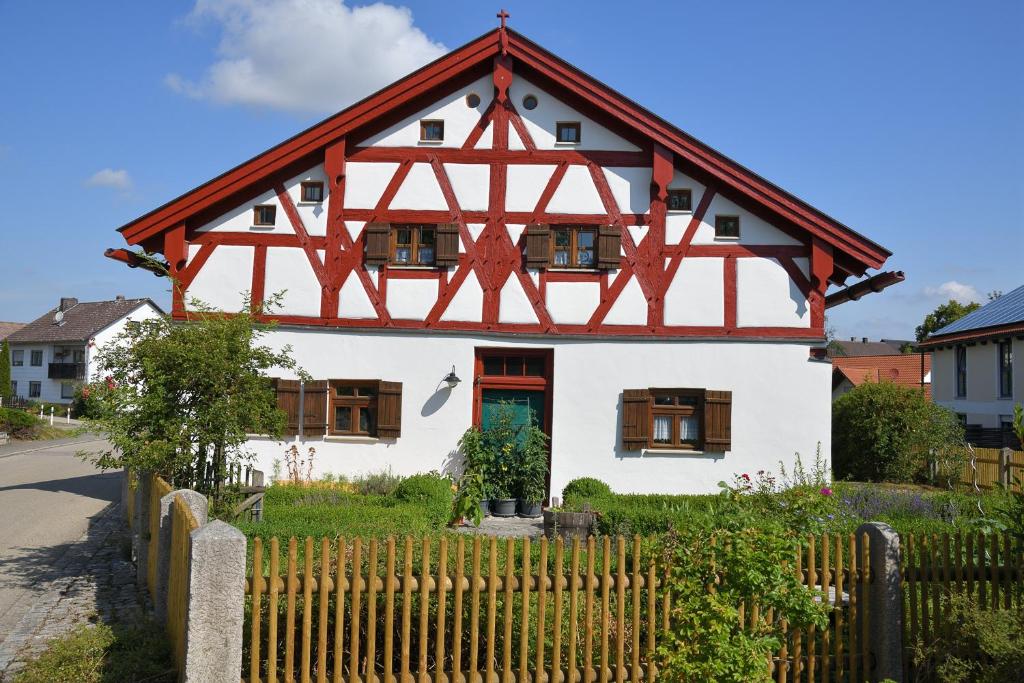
(140, 527)
(216, 601)
(200, 508)
(884, 600)
(1005, 458)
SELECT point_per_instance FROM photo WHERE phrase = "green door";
(523, 404)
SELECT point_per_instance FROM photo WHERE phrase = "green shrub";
(586, 487)
(381, 483)
(18, 424)
(431, 491)
(883, 432)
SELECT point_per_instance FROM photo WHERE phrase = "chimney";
(119, 297)
(67, 302)
(864, 339)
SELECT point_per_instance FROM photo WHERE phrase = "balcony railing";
(66, 371)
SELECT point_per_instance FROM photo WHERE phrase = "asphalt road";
(47, 497)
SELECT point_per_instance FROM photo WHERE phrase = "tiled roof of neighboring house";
(863, 347)
(7, 329)
(904, 369)
(1006, 310)
(81, 321)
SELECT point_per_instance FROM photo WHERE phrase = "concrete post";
(200, 508)
(140, 527)
(884, 599)
(216, 600)
(1005, 454)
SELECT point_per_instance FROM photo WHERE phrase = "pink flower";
(746, 476)
(826, 491)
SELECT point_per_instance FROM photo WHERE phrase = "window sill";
(574, 270)
(339, 438)
(566, 144)
(682, 452)
(431, 142)
(726, 238)
(262, 227)
(680, 212)
(320, 203)
(394, 267)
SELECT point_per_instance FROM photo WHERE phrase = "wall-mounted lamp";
(451, 379)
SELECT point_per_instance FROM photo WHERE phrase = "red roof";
(854, 253)
(905, 369)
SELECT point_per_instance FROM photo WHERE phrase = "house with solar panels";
(973, 366)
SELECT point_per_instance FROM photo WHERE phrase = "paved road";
(47, 498)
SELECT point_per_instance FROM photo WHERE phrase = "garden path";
(503, 527)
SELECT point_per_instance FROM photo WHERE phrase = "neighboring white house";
(52, 355)
(975, 371)
(499, 226)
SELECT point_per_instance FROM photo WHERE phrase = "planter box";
(568, 525)
(529, 509)
(503, 507)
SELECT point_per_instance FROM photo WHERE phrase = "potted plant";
(469, 499)
(478, 457)
(532, 471)
(502, 480)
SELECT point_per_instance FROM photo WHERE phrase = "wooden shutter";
(636, 419)
(717, 421)
(609, 246)
(314, 421)
(389, 410)
(447, 253)
(287, 391)
(378, 243)
(538, 245)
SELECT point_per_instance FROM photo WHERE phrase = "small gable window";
(567, 132)
(431, 131)
(264, 215)
(680, 200)
(312, 192)
(727, 226)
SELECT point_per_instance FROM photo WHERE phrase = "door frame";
(544, 383)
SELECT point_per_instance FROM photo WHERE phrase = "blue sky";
(905, 120)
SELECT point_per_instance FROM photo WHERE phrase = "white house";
(52, 355)
(502, 218)
(974, 368)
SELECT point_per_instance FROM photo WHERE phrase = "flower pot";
(503, 507)
(568, 525)
(485, 507)
(528, 508)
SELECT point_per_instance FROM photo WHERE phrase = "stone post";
(200, 508)
(140, 530)
(884, 600)
(216, 600)
(1005, 454)
(124, 494)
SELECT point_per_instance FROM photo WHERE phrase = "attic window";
(264, 215)
(567, 132)
(312, 192)
(680, 200)
(431, 131)
(727, 226)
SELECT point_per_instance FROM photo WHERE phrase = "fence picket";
(340, 588)
(356, 608)
(524, 623)
(324, 585)
(442, 608)
(460, 560)
(389, 612)
(307, 610)
(289, 634)
(556, 626)
(257, 604)
(272, 607)
(370, 664)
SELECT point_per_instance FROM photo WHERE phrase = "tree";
(5, 370)
(886, 432)
(178, 398)
(943, 315)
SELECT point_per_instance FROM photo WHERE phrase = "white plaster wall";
(420, 190)
(223, 279)
(313, 214)
(240, 218)
(572, 302)
(288, 270)
(468, 302)
(576, 193)
(411, 299)
(514, 306)
(631, 188)
(630, 308)
(753, 230)
(780, 404)
(767, 296)
(459, 119)
(365, 182)
(471, 184)
(540, 122)
(524, 185)
(353, 301)
(697, 293)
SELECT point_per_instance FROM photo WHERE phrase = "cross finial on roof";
(503, 15)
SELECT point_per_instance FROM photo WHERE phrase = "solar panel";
(1006, 310)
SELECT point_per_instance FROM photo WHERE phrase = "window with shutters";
(580, 247)
(353, 408)
(682, 419)
(412, 245)
(573, 247)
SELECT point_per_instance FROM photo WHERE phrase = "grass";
(99, 653)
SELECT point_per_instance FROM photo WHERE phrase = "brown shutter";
(314, 419)
(447, 253)
(636, 419)
(389, 410)
(378, 243)
(717, 421)
(609, 246)
(287, 391)
(538, 245)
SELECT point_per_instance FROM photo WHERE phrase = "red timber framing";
(834, 252)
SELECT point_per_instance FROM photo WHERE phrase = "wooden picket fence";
(129, 508)
(488, 610)
(987, 568)
(183, 523)
(994, 466)
(158, 488)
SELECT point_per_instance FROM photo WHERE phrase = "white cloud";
(305, 55)
(108, 177)
(957, 291)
